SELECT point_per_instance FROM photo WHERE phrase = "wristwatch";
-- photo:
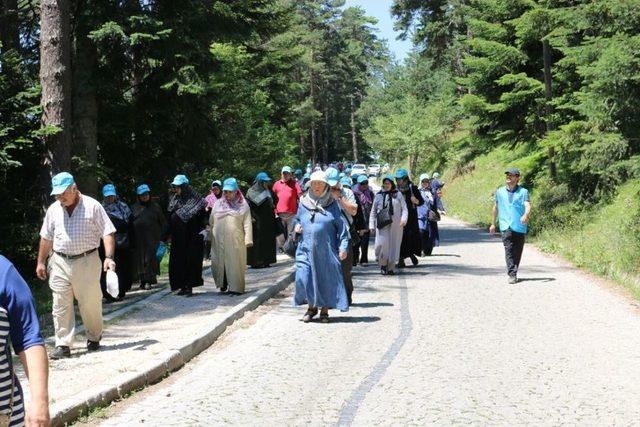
(109, 257)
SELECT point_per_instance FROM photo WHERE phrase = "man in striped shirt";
(69, 238)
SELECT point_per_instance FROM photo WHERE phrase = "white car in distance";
(374, 170)
(359, 169)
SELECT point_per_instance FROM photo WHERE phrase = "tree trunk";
(548, 95)
(302, 144)
(314, 137)
(354, 138)
(325, 140)
(9, 28)
(55, 79)
(85, 113)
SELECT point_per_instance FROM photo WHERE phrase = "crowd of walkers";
(324, 218)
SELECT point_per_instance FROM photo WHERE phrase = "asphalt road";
(446, 342)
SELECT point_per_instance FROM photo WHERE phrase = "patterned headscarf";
(186, 205)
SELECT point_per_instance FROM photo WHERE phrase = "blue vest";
(511, 208)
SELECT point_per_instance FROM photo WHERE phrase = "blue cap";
(402, 174)
(347, 170)
(230, 184)
(333, 176)
(513, 171)
(286, 169)
(388, 178)
(262, 176)
(346, 182)
(144, 188)
(109, 190)
(180, 180)
(61, 182)
(342, 175)
(363, 178)
(298, 172)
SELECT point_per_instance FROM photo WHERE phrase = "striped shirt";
(18, 321)
(79, 232)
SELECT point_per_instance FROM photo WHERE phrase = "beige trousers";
(79, 279)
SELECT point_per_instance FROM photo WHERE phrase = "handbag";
(384, 217)
(291, 244)
(433, 215)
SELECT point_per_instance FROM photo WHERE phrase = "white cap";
(318, 176)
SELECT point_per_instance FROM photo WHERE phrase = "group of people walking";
(333, 225)
(329, 215)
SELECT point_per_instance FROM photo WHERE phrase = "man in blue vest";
(512, 208)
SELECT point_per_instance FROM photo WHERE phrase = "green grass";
(603, 238)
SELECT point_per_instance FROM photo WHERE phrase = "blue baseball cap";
(262, 176)
(286, 169)
(230, 184)
(180, 180)
(362, 179)
(402, 174)
(298, 172)
(61, 182)
(109, 190)
(333, 176)
(346, 182)
(513, 171)
(144, 188)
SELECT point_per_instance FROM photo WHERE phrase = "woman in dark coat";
(260, 198)
(187, 218)
(148, 224)
(120, 215)
(411, 242)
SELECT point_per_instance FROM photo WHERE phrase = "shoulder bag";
(384, 217)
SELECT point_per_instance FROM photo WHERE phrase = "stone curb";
(163, 364)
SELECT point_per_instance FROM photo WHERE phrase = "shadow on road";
(537, 279)
(354, 319)
(372, 304)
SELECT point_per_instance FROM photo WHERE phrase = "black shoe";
(391, 273)
(401, 264)
(93, 345)
(414, 260)
(60, 352)
(181, 292)
(224, 289)
(383, 270)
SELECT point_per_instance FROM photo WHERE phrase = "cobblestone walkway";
(448, 342)
(155, 326)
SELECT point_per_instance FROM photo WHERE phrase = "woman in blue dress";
(323, 239)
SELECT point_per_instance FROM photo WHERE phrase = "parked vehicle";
(359, 169)
(374, 170)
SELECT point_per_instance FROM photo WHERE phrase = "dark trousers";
(347, 264)
(427, 243)
(364, 247)
(513, 246)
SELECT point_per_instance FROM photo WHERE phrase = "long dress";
(187, 218)
(388, 239)
(120, 215)
(429, 233)
(411, 243)
(319, 280)
(148, 224)
(230, 236)
(263, 251)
